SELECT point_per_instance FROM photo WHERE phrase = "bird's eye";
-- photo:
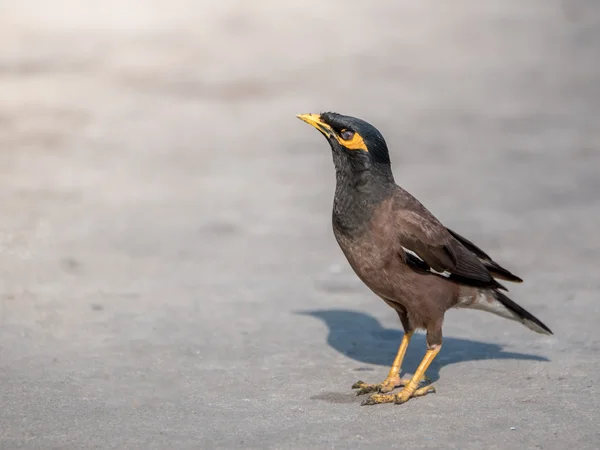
(347, 134)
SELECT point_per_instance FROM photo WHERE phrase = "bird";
(404, 254)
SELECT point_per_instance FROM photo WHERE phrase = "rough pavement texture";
(169, 275)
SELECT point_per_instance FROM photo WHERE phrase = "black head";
(356, 144)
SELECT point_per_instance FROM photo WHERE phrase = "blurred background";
(169, 278)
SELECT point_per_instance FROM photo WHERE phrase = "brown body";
(377, 258)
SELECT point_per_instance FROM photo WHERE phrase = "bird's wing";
(428, 245)
(493, 267)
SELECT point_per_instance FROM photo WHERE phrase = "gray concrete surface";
(169, 275)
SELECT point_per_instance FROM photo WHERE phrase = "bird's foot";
(401, 397)
(388, 385)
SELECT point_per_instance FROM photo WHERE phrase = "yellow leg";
(393, 379)
(397, 364)
(411, 388)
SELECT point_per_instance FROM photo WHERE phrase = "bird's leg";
(411, 389)
(393, 380)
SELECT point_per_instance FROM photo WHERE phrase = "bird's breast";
(372, 257)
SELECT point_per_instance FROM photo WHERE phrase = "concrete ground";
(169, 278)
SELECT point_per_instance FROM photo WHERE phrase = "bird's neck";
(357, 194)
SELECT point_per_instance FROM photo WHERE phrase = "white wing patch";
(412, 253)
(445, 273)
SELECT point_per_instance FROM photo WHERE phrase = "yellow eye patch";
(354, 143)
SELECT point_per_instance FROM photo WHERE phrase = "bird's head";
(356, 145)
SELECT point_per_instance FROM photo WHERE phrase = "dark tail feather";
(525, 317)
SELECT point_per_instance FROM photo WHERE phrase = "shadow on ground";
(361, 337)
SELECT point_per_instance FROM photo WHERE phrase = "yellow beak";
(315, 121)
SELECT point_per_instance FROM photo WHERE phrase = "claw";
(377, 399)
(358, 384)
(367, 389)
(367, 402)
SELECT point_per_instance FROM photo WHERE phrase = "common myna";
(403, 253)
